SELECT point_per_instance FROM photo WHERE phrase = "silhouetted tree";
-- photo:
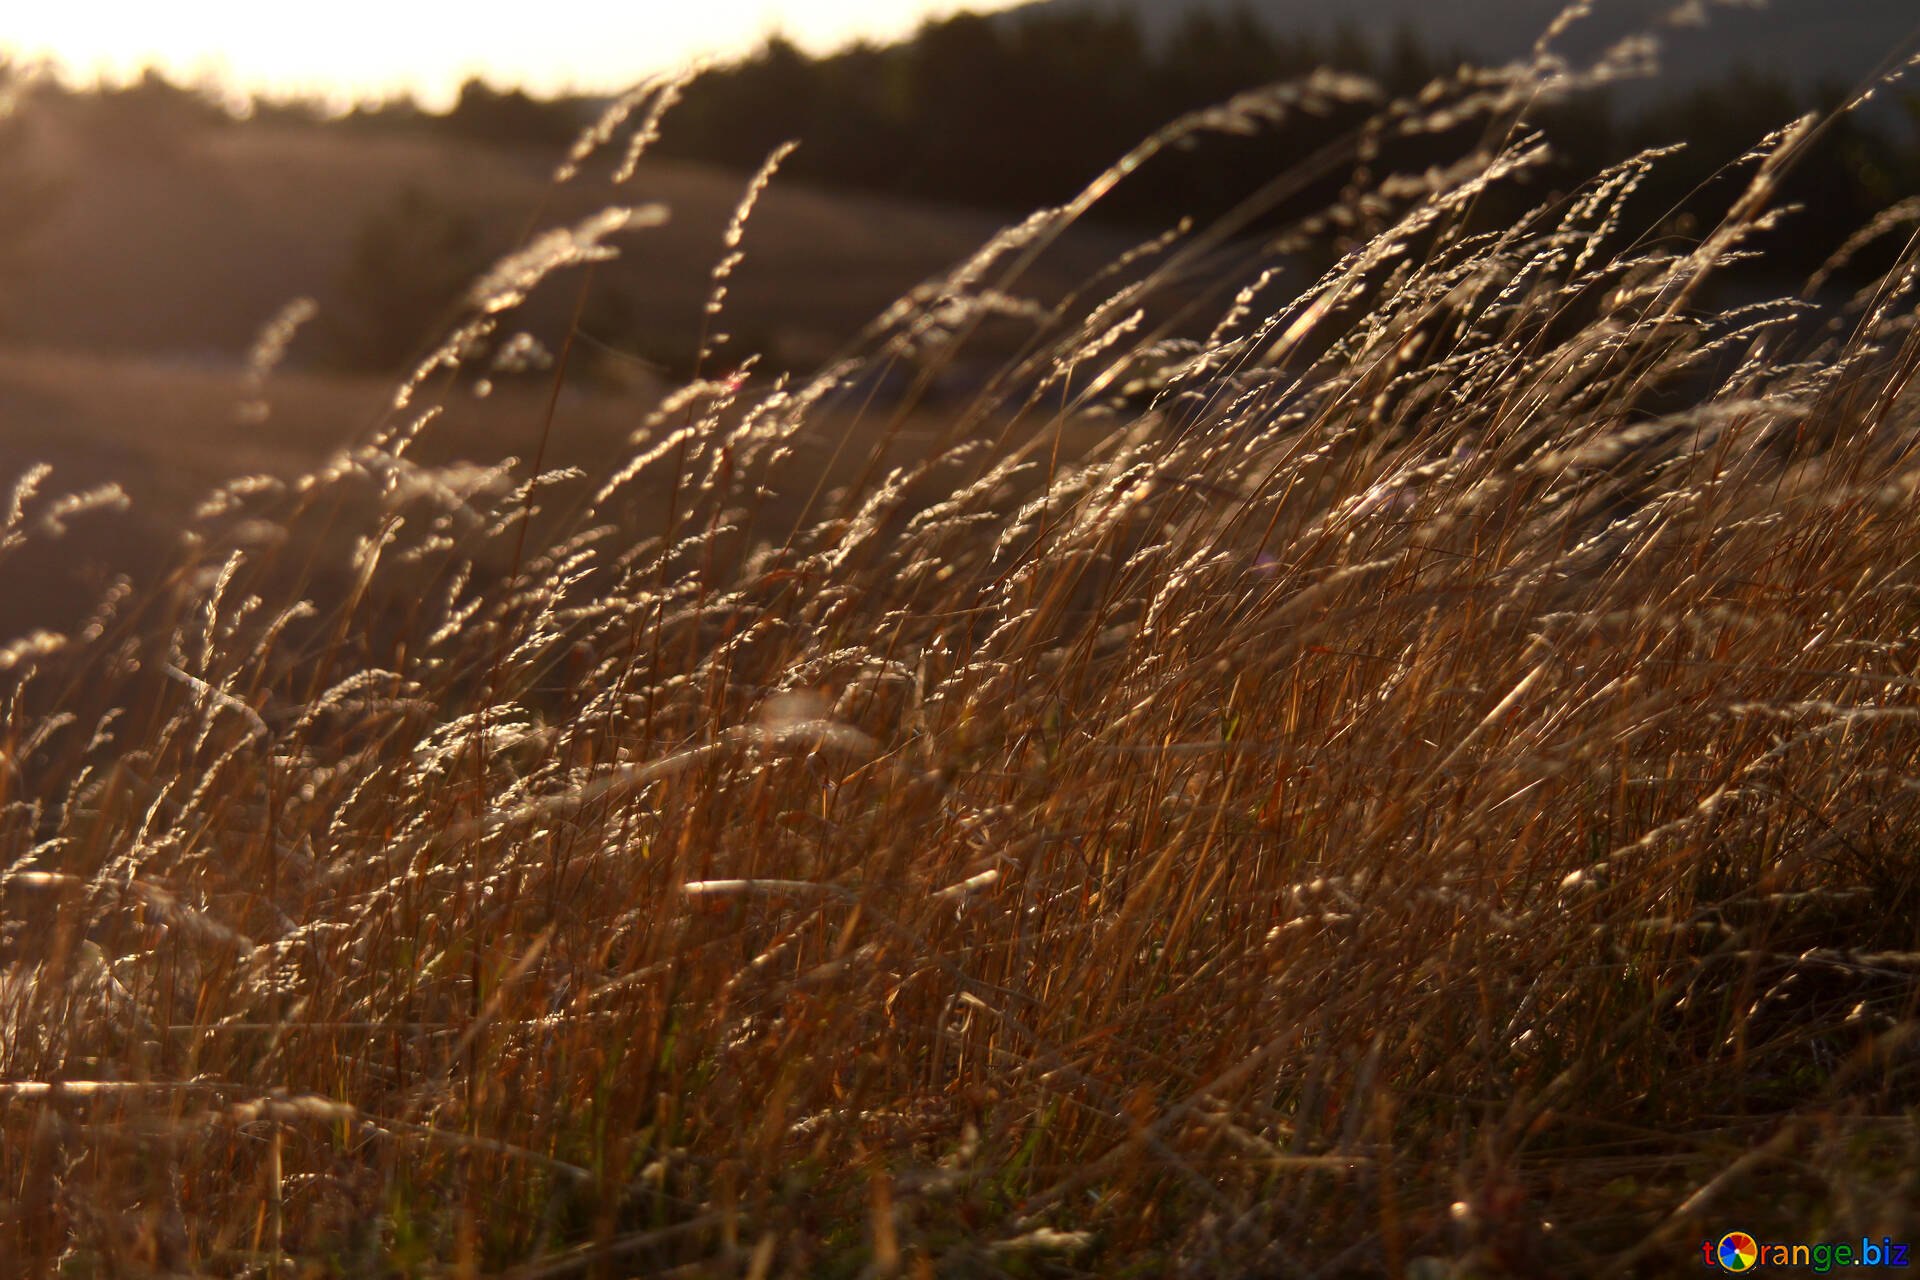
(510, 117)
(151, 117)
(1847, 172)
(31, 191)
(398, 113)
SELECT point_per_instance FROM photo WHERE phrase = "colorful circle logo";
(1737, 1251)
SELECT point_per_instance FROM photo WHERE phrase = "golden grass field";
(1423, 784)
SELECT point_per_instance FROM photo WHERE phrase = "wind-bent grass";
(1430, 774)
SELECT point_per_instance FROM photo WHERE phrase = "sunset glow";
(351, 49)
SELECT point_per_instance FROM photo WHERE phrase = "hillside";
(186, 247)
(126, 320)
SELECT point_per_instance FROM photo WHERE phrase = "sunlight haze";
(354, 49)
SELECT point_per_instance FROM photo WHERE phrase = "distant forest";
(1011, 113)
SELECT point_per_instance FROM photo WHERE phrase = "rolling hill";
(184, 248)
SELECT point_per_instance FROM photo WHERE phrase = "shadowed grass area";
(1411, 776)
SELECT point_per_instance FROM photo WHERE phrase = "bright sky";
(358, 48)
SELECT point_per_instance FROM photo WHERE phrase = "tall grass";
(1416, 775)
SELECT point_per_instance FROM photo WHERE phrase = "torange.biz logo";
(1738, 1251)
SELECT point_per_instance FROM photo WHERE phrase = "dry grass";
(1433, 793)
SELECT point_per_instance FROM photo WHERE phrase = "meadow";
(1410, 774)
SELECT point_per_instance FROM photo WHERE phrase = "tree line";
(1013, 112)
